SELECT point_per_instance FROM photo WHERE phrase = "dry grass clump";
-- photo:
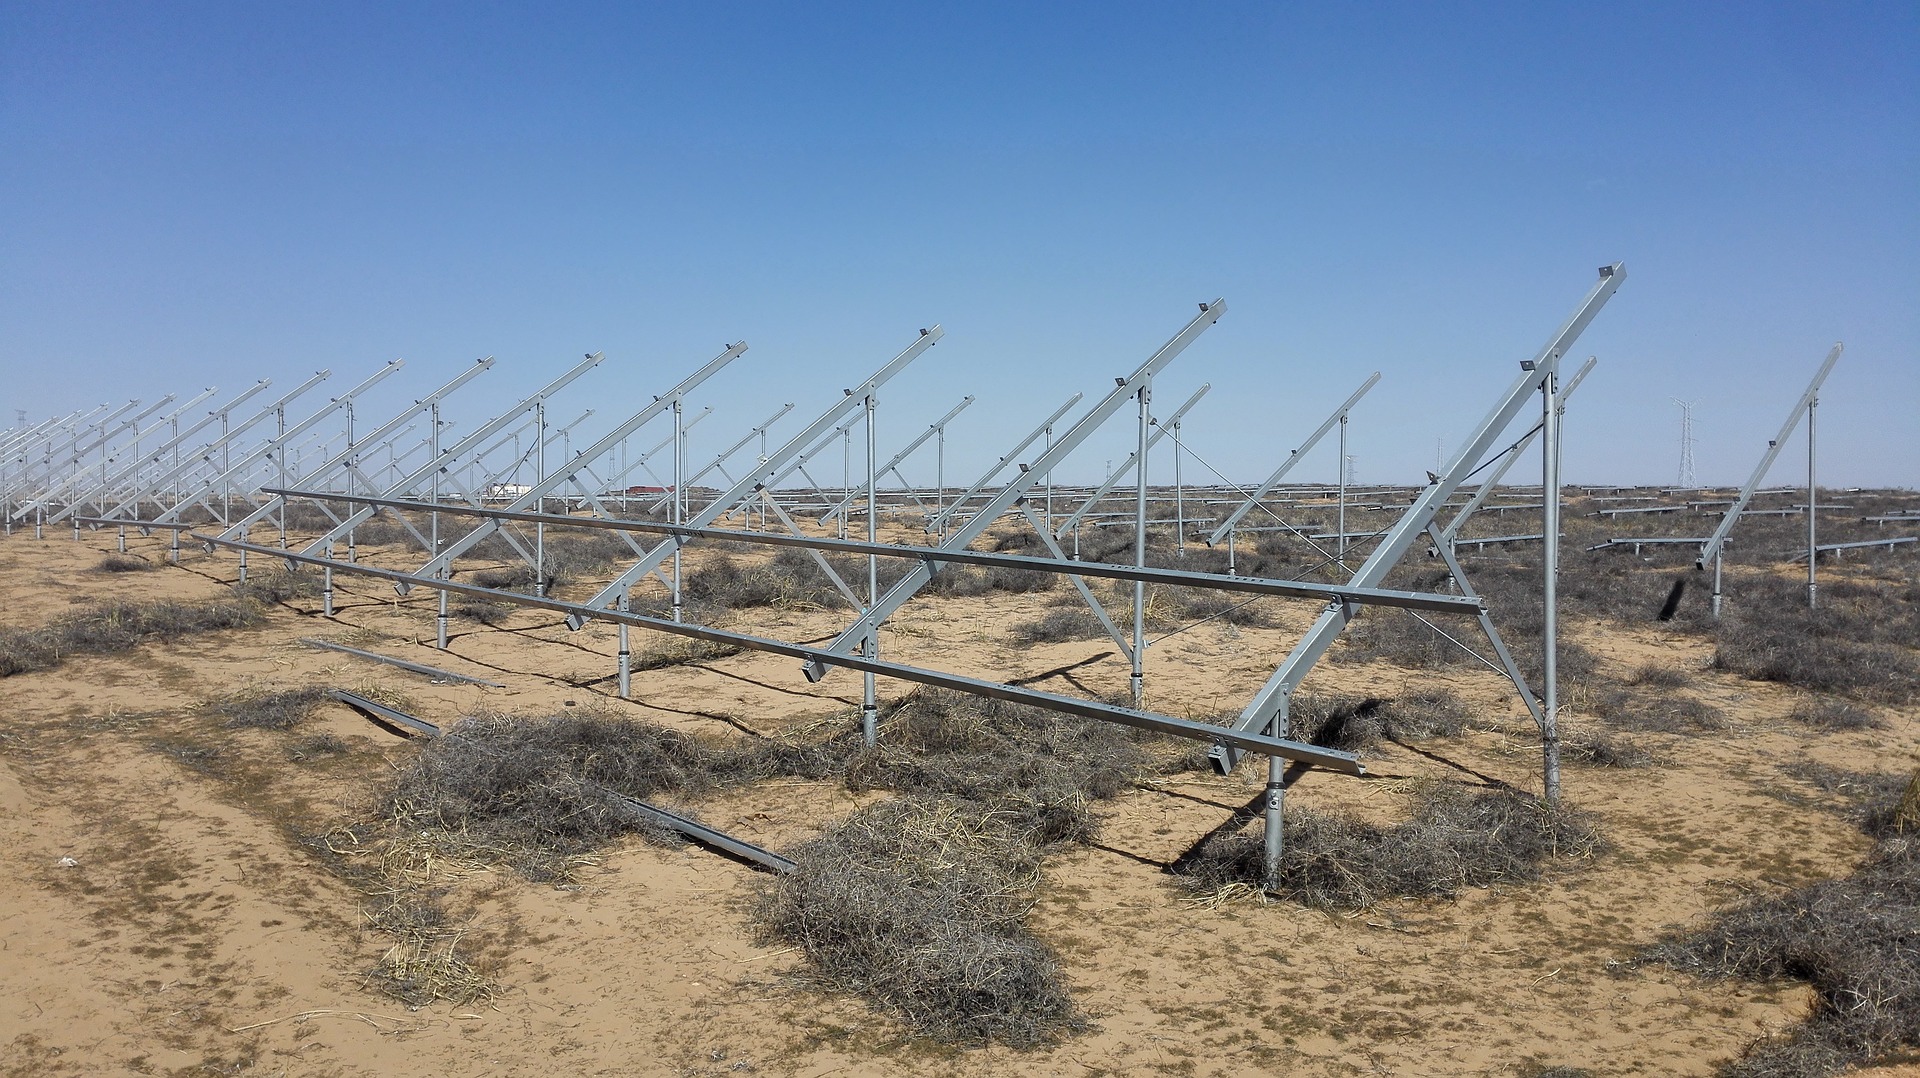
(280, 710)
(123, 563)
(518, 577)
(1036, 770)
(116, 626)
(920, 904)
(1658, 711)
(1859, 643)
(426, 963)
(1826, 713)
(1456, 839)
(975, 580)
(488, 612)
(789, 578)
(271, 587)
(667, 651)
(1657, 675)
(1601, 750)
(1353, 723)
(537, 793)
(1856, 940)
(1060, 624)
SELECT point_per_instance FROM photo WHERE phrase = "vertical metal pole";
(123, 539)
(1342, 519)
(326, 586)
(445, 571)
(1276, 803)
(1138, 681)
(1076, 533)
(626, 655)
(280, 454)
(940, 482)
(846, 465)
(1813, 507)
(869, 705)
(679, 505)
(1716, 586)
(1179, 496)
(540, 476)
(1230, 553)
(1550, 573)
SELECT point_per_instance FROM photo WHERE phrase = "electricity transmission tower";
(1686, 441)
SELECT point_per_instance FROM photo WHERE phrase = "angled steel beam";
(460, 448)
(719, 461)
(541, 489)
(1271, 701)
(1124, 390)
(205, 453)
(939, 523)
(893, 465)
(1233, 519)
(1711, 548)
(343, 462)
(1451, 531)
(1160, 429)
(73, 482)
(766, 473)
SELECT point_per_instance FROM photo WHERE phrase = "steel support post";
(1275, 845)
(1233, 519)
(1813, 507)
(869, 704)
(679, 498)
(1550, 584)
(1138, 681)
(540, 480)
(1179, 498)
(1342, 518)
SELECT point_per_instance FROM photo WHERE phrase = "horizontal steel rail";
(1294, 589)
(1222, 736)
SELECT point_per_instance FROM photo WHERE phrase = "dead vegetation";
(1455, 839)
(122, 563)
(1856, 940)
(1355, 724)
(919, 905)
(281, 709)
(116, 626)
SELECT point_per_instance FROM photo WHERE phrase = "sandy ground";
(196, 933)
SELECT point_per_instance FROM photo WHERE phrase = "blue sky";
(201, 195)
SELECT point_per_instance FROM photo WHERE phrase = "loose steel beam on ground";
(1331, 759)
(374, 656)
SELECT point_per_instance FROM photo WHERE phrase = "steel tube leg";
(1716, 587)
(626, 657)
(441, 620)
(326, 586)
(173, 553)
(123, 540)
(1276, 825)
